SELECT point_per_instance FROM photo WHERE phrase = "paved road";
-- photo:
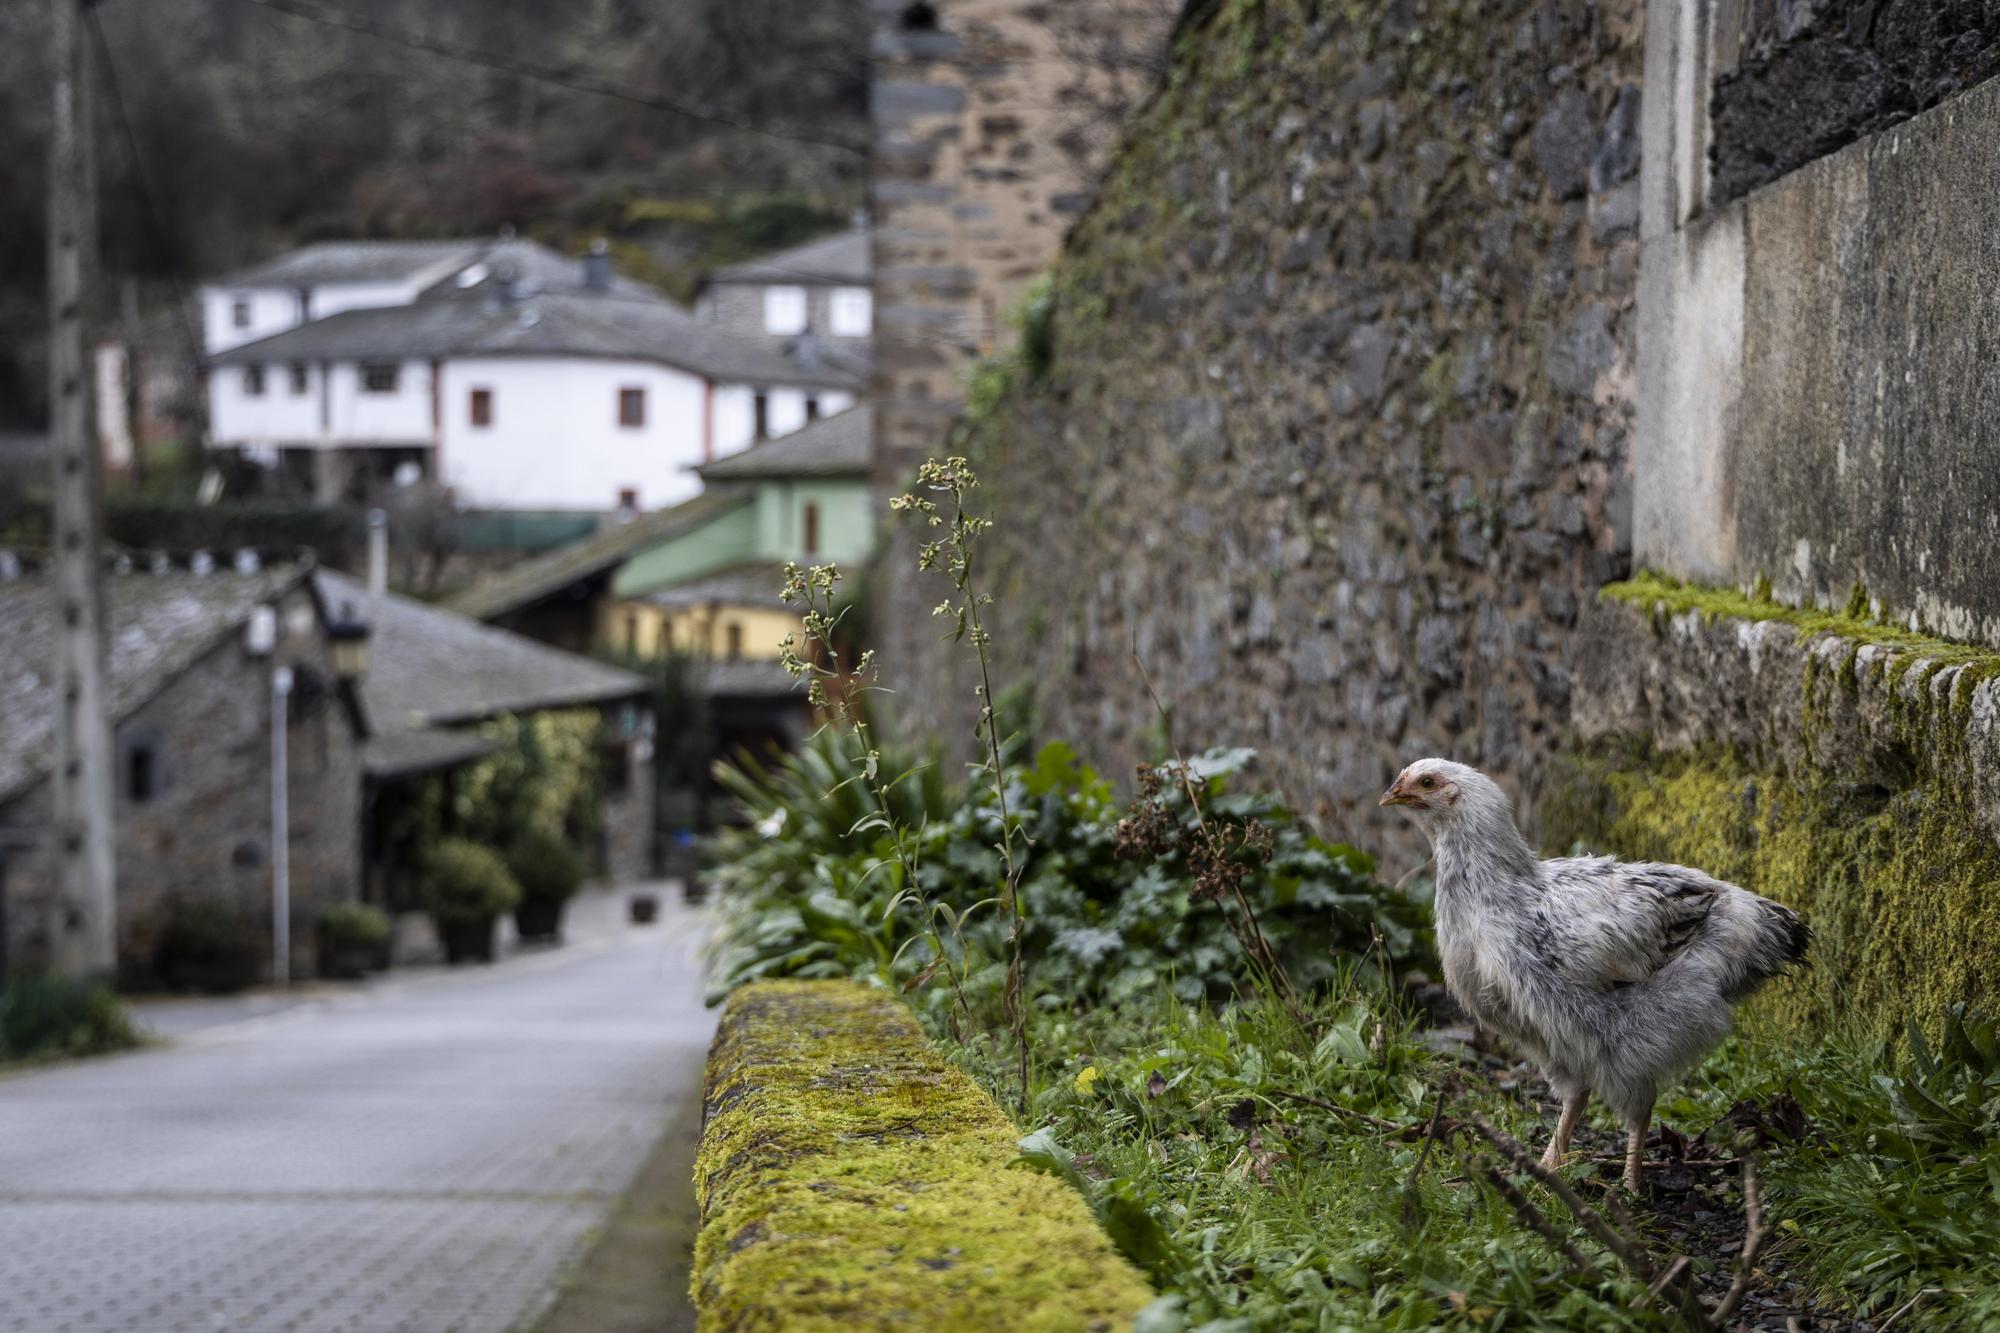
(432, 1155)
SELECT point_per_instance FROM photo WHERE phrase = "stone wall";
(1330, 416)
(206, 831)
(984, 156)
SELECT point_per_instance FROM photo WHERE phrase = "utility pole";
(281, 829)
(83, 933)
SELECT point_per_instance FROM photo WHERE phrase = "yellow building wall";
(644, 630)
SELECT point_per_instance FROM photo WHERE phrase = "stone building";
(191, 663)
(1398, 336)
(992, 119)
(190, 698)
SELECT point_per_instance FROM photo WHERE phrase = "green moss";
(1884, 853)
(849, 1176)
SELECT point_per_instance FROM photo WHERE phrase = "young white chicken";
(1614, 977)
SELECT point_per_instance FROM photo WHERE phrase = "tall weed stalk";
(951, 552)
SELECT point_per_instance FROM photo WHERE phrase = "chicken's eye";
(1427, 783)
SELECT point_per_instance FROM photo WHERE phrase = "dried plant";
(939, 500)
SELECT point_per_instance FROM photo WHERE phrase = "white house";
(522, 379)
(821, 291)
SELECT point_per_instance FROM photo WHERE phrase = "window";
(142, 773)
(632, 633)
(920, 17)
(301, 378)
(851, 313)
(811, 526)
(380, 377)
(253, 381)
(239, 313)
(761, 409)
(480, 407)
(812, 409)
(631, 407)
(784, 310)
(734, 632)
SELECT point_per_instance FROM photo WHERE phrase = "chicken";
(1614, 977)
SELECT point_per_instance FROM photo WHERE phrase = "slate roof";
(754, 584)
(355, 261)
(598, 324)
(399, 754)
(428, 666)
(749, 678)
(841, 445)
(842, 260)
(533, 580)
(160, 626)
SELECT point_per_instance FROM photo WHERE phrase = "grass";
(1260, 1210)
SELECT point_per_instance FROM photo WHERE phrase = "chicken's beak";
(1395, 796)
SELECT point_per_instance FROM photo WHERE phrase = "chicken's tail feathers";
(1780, 942)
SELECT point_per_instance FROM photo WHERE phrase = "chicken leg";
(1635, 1152)
(1559, 1143)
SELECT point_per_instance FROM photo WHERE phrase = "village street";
(434, 1154)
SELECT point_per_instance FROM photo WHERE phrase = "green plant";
(55, 1016)
(466, 883)
(547, 868)
(355, 925)
(207, 944)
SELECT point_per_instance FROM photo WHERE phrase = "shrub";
(46, 1016)
(467, 883)
(547, 868)
(354, 925)
(206, 944)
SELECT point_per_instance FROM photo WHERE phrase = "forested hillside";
(260, 123)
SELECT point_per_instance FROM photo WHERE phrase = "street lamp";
(348, 635)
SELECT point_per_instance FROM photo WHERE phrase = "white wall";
(352, 416)
(333, 298)
(555, 441)
(785, 412)
(272, 310)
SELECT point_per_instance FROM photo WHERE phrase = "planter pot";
(467, 941)
(539, 919)
(644, 908)
(346, 961)
(381, 955)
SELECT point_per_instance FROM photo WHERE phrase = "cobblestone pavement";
(430, 1156)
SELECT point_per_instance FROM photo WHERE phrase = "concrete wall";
(205, 833)
(1821, 407)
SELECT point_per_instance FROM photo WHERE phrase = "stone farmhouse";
(523, 380)
(190, 700)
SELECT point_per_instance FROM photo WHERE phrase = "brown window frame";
(732, 635)
(809, 526)
(479, 407)
(631, 407)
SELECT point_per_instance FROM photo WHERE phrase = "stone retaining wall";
(850, 1176)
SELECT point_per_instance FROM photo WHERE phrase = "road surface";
(433, 1154)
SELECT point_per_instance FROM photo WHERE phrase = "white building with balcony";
(521, 379)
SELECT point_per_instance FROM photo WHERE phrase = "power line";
(338, 18)
(148, 206)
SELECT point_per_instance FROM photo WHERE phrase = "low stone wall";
(1849, 769)
(850, 1176)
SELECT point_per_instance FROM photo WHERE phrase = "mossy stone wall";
(1846, 768)
(851, 1177)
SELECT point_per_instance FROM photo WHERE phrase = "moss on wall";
(1869, 823)
(850, 1176)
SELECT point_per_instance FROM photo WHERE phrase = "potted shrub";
(467, 888)
(352, 939)
(206, 946)
(548, 871)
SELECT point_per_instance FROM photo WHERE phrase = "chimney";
(597, 267)
(378, 553)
